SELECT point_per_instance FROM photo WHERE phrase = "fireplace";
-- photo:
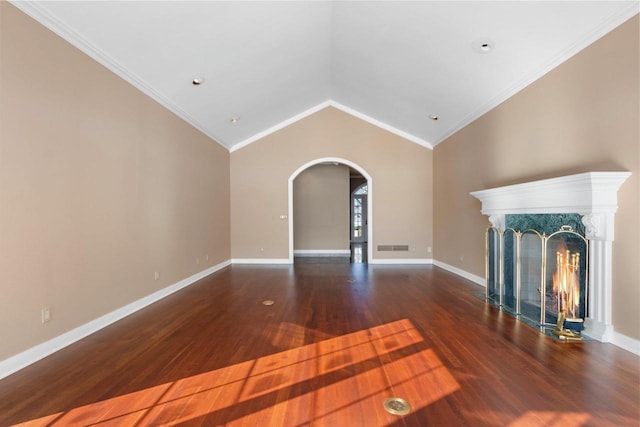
(549, 252)
(537, 271)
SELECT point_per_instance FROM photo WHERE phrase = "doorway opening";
(362, 250)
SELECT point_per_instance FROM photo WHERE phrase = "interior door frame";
(346, 162)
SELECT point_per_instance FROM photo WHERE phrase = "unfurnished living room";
(320, 213)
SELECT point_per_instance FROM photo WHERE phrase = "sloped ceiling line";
(343, 108)
(67, 33)
(403, 113)
(611, 23)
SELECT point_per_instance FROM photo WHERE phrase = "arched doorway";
(362, 171)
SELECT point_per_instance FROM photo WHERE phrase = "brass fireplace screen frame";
(498, 276)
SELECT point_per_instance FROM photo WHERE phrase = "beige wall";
(582, 116)
(321, 208)
(100, 188)
(401, 192)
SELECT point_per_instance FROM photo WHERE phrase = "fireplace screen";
(540, 278)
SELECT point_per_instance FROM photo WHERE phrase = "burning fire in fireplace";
(566, 284)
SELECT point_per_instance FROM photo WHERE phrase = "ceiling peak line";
(344, 109)
(347, 47)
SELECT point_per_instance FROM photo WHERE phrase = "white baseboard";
(260, 261)
(322, 252)
(469, 276)
(40, 351)
(400, 261)
(626, 343)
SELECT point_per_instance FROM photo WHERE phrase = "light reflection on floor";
(338, 381)
(551, 419)
(358, 253)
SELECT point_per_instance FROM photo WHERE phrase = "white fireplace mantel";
(590, 192)
(594, 195)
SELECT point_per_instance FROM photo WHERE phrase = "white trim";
(381, 125)
(46, 18)
(606, 27)
(581, 193)
(402, 261)
(40, 351)
(355, 166)
(279, 126)
(462, 273)
(626, 343)
(344, 109)
(53, 23)
(261, 261)
(322, 252)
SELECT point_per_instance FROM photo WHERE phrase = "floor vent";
(389, 248)
(397, 406)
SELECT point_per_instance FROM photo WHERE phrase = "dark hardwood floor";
(339, 339)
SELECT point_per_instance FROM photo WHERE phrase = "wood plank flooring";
(339, 339)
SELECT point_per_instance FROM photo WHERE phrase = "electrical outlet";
(429, 249)
(156, 276)
(197, 260)
(46, 314)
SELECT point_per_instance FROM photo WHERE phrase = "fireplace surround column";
(599, 230)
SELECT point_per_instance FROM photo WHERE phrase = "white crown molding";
(606, 27)
(279, 126)
(381, 125)
(40, 13)
(40, 351)
(341, 107)
(50, 21)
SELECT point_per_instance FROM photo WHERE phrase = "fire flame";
(566, 282)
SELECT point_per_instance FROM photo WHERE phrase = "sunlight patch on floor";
(338, 381)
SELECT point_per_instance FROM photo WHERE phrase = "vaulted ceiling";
(265, 64)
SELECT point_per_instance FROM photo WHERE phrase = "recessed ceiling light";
(197, 81)
(433, 117)
(483, 45)
(234, 119)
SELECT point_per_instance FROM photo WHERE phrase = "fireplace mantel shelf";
(590, 192)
